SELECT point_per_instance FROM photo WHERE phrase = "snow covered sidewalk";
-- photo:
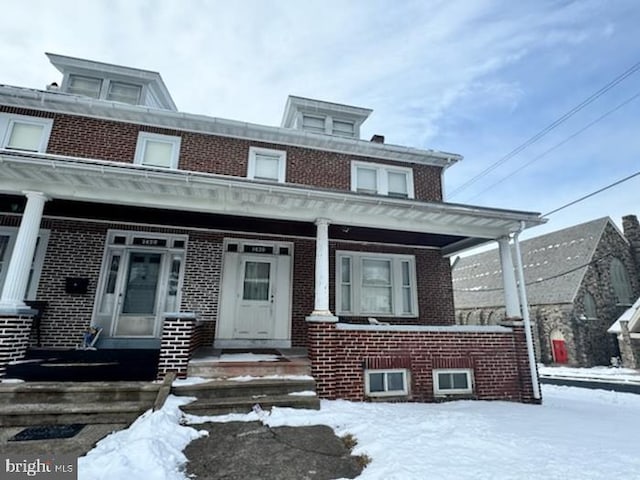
(576, 434)
(597, 374)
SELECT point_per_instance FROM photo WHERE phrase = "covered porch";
(109, 192)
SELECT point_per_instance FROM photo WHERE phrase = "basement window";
(457, 381)
(386, 383)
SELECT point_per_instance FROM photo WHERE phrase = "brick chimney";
(631, 229)
(377, 138)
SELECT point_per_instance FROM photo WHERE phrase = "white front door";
(255, 314)
(255, 300)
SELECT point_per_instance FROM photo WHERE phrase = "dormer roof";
(296, 107)
(154, 91)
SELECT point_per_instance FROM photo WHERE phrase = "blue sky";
(474, 77)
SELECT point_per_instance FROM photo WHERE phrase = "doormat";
(47, 432)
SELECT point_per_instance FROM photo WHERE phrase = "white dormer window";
(267, 164)
(382, 180)
(313, 123)
(104, 88)
(343, 128)
(155, 150)
(124, 92)
(87, 86)
(21, 132)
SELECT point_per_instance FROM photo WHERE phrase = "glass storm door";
(255, 307)
(140, 295)
(132, 293)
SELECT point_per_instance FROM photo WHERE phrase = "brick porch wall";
(498, 357)
(14, 338)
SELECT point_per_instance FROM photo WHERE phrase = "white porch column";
(17, 277)
(508, 279)
(321, 302)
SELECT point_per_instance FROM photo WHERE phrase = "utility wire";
(558, 145)
(539, 280)
(630, 71)
(611, 185)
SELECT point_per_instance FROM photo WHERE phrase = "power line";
(611, 185)
(558, 145)
(630, 71)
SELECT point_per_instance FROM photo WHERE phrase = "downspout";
(524, 306)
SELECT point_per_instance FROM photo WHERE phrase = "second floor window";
(382, 180)
(21, 132)
(155, 150)
(267, 164)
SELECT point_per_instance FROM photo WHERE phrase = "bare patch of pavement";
(253, 451)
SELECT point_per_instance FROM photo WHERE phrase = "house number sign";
(150, 242)
(258, 249)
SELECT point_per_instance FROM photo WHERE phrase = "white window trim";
(282, 163)
(38, 259)
(439, 392)
(386, 392)
(7, 121)
(144, 137)
(356, 281)
(382, 172)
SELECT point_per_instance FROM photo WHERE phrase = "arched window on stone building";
(620, 282)
(589, 305)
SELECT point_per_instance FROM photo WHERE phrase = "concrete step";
(217, 389)
(222, 406)
(208, 368)
(77, 392)
(63, 413)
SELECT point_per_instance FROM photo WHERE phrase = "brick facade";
(340, 354)
(84, 137)
(14, 339)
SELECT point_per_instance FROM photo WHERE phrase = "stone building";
(627, 327)
(579, 280)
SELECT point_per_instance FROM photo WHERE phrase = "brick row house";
(172, 231)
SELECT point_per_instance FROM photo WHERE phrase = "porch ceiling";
(352, 216)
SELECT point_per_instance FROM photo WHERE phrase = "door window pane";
(256, 281)
(108, 299)
(25, 136)
(171, 304)
(142, 283)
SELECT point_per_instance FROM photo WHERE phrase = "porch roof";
(289, 209)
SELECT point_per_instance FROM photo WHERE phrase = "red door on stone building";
(559, 351)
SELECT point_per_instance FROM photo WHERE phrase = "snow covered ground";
(575, 434)
(608, 374)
